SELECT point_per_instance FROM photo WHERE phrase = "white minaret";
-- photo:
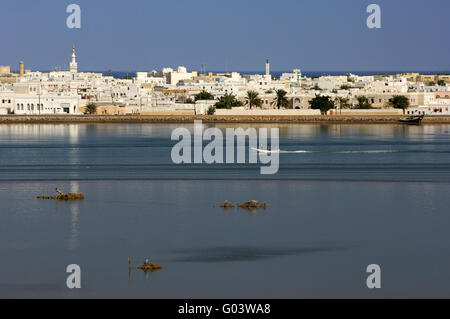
(267, 67)
(73, 64)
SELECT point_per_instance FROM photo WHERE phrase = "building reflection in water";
(74, 218)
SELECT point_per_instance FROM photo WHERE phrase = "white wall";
(365, 112)
(273, 112)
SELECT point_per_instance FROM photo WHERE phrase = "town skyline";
(182, 91)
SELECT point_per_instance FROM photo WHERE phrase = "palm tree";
(253, 99)
(343, 103)
(281, 99)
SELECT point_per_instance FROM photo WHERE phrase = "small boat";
(412, 119)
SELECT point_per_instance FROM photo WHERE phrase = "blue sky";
(320, 35)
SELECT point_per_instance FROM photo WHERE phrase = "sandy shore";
(345, 119)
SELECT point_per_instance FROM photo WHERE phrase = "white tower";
(298, 74)
(267, 67)
(73, 65)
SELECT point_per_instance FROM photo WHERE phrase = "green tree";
(189, 101)
(399, 102)
(280, 98)
(363, 103)
(203, 95)
(441, 83)
(322, 103)
(227, 102)
(253, 99)
(90, 108)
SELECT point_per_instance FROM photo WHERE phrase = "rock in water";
(62, 196)
(227, 204)
(252, 204)
(149, 267)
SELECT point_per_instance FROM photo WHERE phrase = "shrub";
(203, 95)
(227, 102)
(211, 110)
(91, 108)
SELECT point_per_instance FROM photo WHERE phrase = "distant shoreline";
(248, 119)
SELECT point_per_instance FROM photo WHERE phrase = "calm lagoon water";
(363, 194)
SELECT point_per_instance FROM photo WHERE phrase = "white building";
(436, 107)
(45, 104)
(180, 74)
(294, 77)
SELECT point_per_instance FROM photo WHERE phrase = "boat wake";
(279, 151)
(369, 152)
(330, 152)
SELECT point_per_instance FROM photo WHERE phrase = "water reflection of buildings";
(39, 131)
(74, 151)
(74, 218)
(49, 137)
